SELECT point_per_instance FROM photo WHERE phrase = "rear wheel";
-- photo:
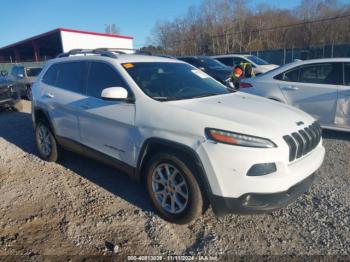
(173, 188)
(46, 142)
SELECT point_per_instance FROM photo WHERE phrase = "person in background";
(248, 70)
(236, 76)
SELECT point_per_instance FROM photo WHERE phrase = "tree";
(111, 29)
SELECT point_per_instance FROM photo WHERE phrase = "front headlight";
(237, 139)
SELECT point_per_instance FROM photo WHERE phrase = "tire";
(176, 208)
(29, 93)
(46, 142)
(18, 106)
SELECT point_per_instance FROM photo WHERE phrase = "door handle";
(292, 88)
(49, 95)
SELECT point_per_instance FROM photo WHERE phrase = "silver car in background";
(320, 87)
(259, 65)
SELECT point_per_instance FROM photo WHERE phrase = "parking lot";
(79, 206)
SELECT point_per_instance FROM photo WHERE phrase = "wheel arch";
(41, 114)
(154, 145)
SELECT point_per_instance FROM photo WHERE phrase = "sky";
(25, 18)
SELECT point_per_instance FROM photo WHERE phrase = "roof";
(122, 58)
(64, 30)
(231, 55)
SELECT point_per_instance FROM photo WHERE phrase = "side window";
(14, 71)
(226, 60)
(320, 74)
(289, 76)
(21, 71)
(191, 61)
(238, 60)
(102, 76)
(70, 76)
(347, 74)
(50, 76)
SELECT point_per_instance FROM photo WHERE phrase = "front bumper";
(254, 203)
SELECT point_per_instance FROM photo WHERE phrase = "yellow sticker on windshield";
(128, 65)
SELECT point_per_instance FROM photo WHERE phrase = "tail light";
(244, 85)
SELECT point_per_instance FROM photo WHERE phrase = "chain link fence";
(7, 66)
(285, 56)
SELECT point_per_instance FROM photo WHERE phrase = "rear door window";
(101, 76)
(70, 76)
(325, 73)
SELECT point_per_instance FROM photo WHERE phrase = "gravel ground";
(81, 207)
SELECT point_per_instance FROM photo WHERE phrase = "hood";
(245, 113)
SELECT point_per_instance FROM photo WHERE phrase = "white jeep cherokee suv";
(188, 137)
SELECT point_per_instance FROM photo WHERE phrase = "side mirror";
(20, 75)
(115, 94)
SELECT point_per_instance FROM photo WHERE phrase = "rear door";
(342, 116)
(313, 88)
(107, 126)
(62, 94)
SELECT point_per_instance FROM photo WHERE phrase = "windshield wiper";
(204, 95)
(165, 98)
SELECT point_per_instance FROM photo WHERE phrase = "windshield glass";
(173, 81)
(34, 71)
(212, 63)
(257, 60)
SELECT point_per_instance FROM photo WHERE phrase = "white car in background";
(259, 65)
(320, 87)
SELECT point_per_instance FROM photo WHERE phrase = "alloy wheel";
(170, 188)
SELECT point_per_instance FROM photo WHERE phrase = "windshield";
(173, 81)
(212, 63)
(257, 60)
(34, 71)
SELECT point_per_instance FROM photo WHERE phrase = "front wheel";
(173, 188)
(29, 94)
(46, 142)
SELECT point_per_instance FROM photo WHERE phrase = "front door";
(107, 126)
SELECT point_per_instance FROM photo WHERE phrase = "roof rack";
(109, 52)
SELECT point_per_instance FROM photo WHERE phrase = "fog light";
(262, 169)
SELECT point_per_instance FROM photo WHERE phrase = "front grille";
(302, 142)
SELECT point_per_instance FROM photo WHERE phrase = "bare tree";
(224, 26)
(111, 29)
